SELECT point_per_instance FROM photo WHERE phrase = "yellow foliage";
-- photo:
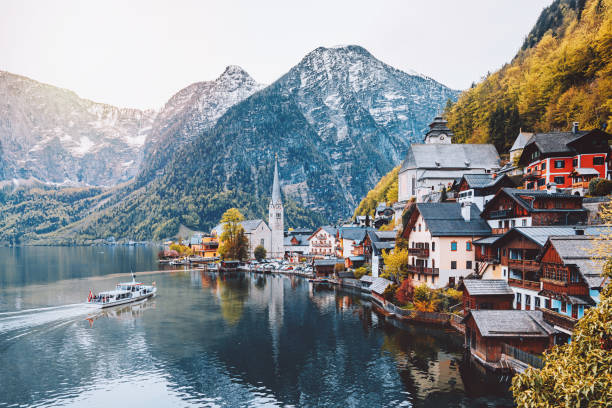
(565, 77)
(395, 263)
(385, 190)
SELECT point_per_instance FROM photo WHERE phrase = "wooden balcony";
(499, 231)
(524, 264)
(567, 288)
(419, 252)
(525, 284)
(558, 319)
(581, 184)
(487, 259)
(423, 270)
(500, 214)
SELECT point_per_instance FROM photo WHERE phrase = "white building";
(324, 242)
(438, 162)
(257, 232)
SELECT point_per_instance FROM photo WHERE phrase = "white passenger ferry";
(125, 292)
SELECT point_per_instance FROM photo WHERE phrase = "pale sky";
(139, 53)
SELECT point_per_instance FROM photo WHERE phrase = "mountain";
(191, 111)
(562, 74)
(336, 122)
(52, 135)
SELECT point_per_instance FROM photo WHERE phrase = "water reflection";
(234, 340)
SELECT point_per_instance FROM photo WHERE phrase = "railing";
(499, 231)
(558, 319)
(525, 264)
(524, 284)
(422, 269)
(581, 184)
(522, 356)
(500, 214)
(419, 252)
(532, 175)
(487, 259)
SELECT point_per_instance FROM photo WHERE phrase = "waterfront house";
(512, 207)
(327, 267)
(378, 287)
(567, 159)
(296, 245)
(440, 237)
(488, 331)
(480, 188)
(486, 294)
(438, 162)
(207, 246)
(323, 242)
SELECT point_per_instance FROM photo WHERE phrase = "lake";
(211, 339)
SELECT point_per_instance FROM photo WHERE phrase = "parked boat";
(124, 292)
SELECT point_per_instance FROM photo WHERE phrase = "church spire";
(276, 195)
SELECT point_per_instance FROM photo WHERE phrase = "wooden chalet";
(486, 294)
(326, 267)
(488, 333)
(524, 208)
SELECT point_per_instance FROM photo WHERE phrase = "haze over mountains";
(337, 121)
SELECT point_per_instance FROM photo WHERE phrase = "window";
(499, 224)
(541, 182)
(262, 242)
(524, 223)
(518, 298)
(544, 166)
(537, 301)
(419, 227)
(504, 252)
(527, 300)
(503, 271)
(468, 264)
(513, 223)
(547, 303)
(560, 179)
(559, 164)
(454, 246)
(278, 216)
(575, 162)
(530, 186)
(453, 264)
(433, 263)
(598, 161)
(433, 246)
(468, 246)
(413, 185)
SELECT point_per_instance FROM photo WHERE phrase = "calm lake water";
(212, 340)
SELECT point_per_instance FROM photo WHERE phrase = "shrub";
(405, 292)
(600, 187)
(389, 293)
(422, 293)
(260, 252)
(363, 270)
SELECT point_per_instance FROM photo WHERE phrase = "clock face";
(442, 136)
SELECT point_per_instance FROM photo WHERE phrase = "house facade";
(480, 188)
(486, 294)
(440, 238)
(523, 208)
(567, 159)
(324, 242)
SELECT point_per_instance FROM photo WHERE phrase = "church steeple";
(276, 195)
(276, 218)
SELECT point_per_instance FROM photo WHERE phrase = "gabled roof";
(379, 285)
(510, 323)
(301, 238)
(327, 228)
(367, 278)
(386, 235)
(356, 234)
(577, 250)
(490, 240)
(451, 156)
(445, 219)
(555, 142)
(480, 287)
(521, 140)
(483, 180)
(519, 195)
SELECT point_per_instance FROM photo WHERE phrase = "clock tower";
(439, 133)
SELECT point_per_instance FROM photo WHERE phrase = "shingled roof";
(519, 195)
(510, 323)
(445, 219)
(521, 140)
(451, 156)
(576, 250)
(480, 287)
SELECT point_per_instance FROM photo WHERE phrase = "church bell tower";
(276, 219)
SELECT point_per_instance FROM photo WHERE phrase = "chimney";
(466, 209)
(575, 127)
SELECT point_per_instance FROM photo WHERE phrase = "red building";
(567, 159)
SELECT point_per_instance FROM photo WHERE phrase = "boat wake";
(20, 323)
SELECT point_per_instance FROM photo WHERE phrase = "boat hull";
(123, 301)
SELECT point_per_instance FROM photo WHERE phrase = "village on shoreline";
(505, 253)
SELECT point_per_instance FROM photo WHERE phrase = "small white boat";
(124, 292)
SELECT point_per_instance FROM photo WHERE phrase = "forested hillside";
(385, 190)
(562, 74)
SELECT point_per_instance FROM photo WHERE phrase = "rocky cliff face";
(54, 136)
(190, 112)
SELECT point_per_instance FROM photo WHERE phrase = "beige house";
(440, 237)
(324, 242)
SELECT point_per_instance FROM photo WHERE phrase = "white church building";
(271, 235)
(438, 162)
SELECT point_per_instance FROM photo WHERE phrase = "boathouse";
(486, 294)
